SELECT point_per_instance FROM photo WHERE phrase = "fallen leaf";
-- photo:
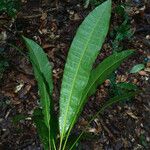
(143, 73)
(76, 17)
(19, 87)
(137, 68)
(44, 16)
(92, 130)
(147, 69)
(148, 64)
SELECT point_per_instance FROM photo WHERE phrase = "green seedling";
(10, 7)
(137, 68)
(79, 81)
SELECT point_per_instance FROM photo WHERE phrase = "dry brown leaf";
(44, 16)
(143, 73)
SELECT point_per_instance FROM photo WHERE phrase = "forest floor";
(122, 126)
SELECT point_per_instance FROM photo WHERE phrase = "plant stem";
(69, 131)
(100, 111)
(108, 104)
(49, 139)
(67, 137)
(60, 145)
(54, 144)
(65, 141)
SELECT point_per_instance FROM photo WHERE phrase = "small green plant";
(79, 81)
(9, 6)
(137, 68)
(122, 31)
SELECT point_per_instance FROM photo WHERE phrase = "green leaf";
(127, 86)
(41, 61)
(82, 54)
(100, 74)
(17, 118)
(107, 104)
(117, 99)
(120, 9)
(87, 2)
(137, 68)
(43, 74)
(10, 7)
(105, 69)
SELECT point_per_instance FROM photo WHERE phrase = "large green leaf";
(41, 61)
(82, 54)
(43, 74)
(100, 74)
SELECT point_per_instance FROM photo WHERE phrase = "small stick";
(106, 129)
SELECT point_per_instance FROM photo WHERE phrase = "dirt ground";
(124, 126)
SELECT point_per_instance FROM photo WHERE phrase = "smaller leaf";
(87, 2)
(43, 74)
(127, 86)
(104, 70)
(117, 99)
(71, 140)
(120, 9)
(106, 105)
(137, 68)
(17, 118)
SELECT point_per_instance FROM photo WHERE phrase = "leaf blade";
(104, 69)
(101, 73)
(80, 60)
(137, 68)
(43, 74)
(118, 98)
(127, 86)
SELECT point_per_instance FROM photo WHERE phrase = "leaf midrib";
(65, 118)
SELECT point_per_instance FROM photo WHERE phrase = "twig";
(106, 129)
